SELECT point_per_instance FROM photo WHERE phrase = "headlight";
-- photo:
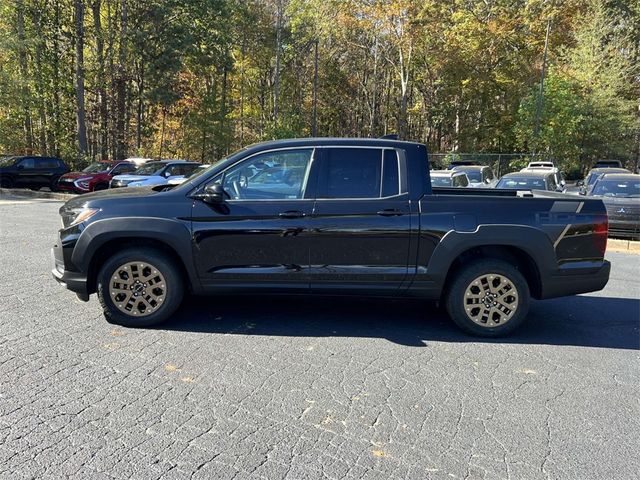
(78, 215)
(82, 183)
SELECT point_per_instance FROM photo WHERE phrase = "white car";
(540, 165)
(154, 173)
(181, 178)
(547, 167)
(480, 176)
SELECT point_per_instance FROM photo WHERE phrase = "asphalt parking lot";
(308, 388)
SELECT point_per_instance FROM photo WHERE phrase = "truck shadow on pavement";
(586, 321)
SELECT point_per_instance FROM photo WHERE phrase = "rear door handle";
(291, 214)
(390, 212)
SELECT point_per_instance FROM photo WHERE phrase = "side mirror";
(214, 193)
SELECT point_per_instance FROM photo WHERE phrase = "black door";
(361, 222)
(258, 238)
(28, 175)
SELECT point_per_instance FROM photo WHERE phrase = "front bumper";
(579, 280)
(74, 281)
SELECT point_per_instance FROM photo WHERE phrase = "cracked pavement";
(297, 388)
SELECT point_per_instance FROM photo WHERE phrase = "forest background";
(198, 79)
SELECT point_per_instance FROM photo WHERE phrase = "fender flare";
(530, 240)
(175, 234)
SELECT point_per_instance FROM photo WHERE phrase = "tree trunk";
(276, 79)
(101, 81)
(80, 112)
(121, 85)
(223, 108)
(24, 74)
(56, 79)
(140, 112)
(314, 117)
(242, 55)
(164, 118)
(39, 77)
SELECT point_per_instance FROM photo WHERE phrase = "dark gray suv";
(31, 171)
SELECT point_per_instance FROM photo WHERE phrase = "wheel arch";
(528, 248)
(105, 237)
(513, 255)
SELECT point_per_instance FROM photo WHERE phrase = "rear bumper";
(624, 228)
(74, 281)
(578, 281)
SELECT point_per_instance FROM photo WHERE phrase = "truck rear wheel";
(488, 298)
(139, 288)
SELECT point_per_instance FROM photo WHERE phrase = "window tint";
(173, 170)
(273, 175)
(390, 174)
(438, 181)
(27, 163)
(460, 181)
(49, 163)
(123, 168)
(353, 173)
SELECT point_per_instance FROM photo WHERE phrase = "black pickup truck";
(330, 216)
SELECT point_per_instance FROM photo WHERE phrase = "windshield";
(474, 175)
(617, 188)
(151, 168)
(522, 183)
(6, 161)
(592, 178)
(97, 167)
(441, 181)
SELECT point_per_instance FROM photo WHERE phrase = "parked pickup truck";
(330, 216)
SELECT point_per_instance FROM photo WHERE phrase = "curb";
(19, 192)
(624, 246)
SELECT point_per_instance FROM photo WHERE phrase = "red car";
(95, 177)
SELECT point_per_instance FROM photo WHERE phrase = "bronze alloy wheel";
(137, 288)
(491, 300)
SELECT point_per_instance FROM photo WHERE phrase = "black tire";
(455, 298)
(172, 278)
(100, 186)
(6, 182)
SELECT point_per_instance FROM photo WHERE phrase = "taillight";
(600, 233)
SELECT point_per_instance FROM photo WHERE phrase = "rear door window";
(360, 173)
(27, 163)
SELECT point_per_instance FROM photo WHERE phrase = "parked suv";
(31, 172)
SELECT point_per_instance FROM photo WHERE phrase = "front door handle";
(291, 214)
(390, 212)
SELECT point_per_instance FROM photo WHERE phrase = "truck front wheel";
(488, 298)
(139, 287)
